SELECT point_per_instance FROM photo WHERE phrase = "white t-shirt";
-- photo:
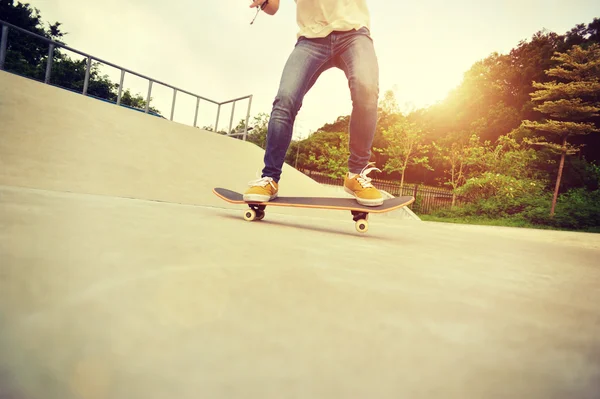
(318, 18)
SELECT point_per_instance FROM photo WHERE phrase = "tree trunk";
(404, 169)
(560, 170)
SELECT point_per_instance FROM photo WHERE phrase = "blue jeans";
(354, 53)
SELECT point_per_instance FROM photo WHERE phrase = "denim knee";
(285, 106)
(365, 94)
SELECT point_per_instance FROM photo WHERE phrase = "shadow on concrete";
(348, 230)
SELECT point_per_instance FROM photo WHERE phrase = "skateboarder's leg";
(308, 60)
(358, 60)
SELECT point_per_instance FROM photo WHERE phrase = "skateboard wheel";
(260, 215)
(362, 226)
(250, 215)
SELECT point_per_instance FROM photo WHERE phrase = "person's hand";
(262, 5)
(257, 3)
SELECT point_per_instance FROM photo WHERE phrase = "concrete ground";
(122, 276)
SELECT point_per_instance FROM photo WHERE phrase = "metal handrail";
(53, 44)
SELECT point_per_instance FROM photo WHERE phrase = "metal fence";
(52, 45)
(427, 199)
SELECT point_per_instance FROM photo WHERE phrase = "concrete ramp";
(122, 276)
(54, 139)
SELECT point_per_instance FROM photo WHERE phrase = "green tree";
(457, 155)
(388, 104)
(341, 124)
(297, 156)
(328, 153)
(404, 147)
(569, 105)
(258, 134)
(498, 89)
(28, 56)
(508, 157)
(503, 179)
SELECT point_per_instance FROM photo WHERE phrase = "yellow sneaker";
(261, 190)
(361, 188)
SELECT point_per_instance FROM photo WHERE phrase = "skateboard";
(360, 213)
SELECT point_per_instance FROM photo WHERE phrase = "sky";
(210, 48)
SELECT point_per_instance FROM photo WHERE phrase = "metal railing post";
(231, 117)
(173, 105)
(3, 46)
(148, 98)
(120, 94)
(86, 81)
(196, 115)
(247, 118)
(217, 121)
(49, 63)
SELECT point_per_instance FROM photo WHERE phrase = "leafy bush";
(490, 185)
(579, 173)
(577, 209)
(497, 195)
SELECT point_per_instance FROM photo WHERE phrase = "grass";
(505, 222)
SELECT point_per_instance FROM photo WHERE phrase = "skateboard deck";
(359, 212)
